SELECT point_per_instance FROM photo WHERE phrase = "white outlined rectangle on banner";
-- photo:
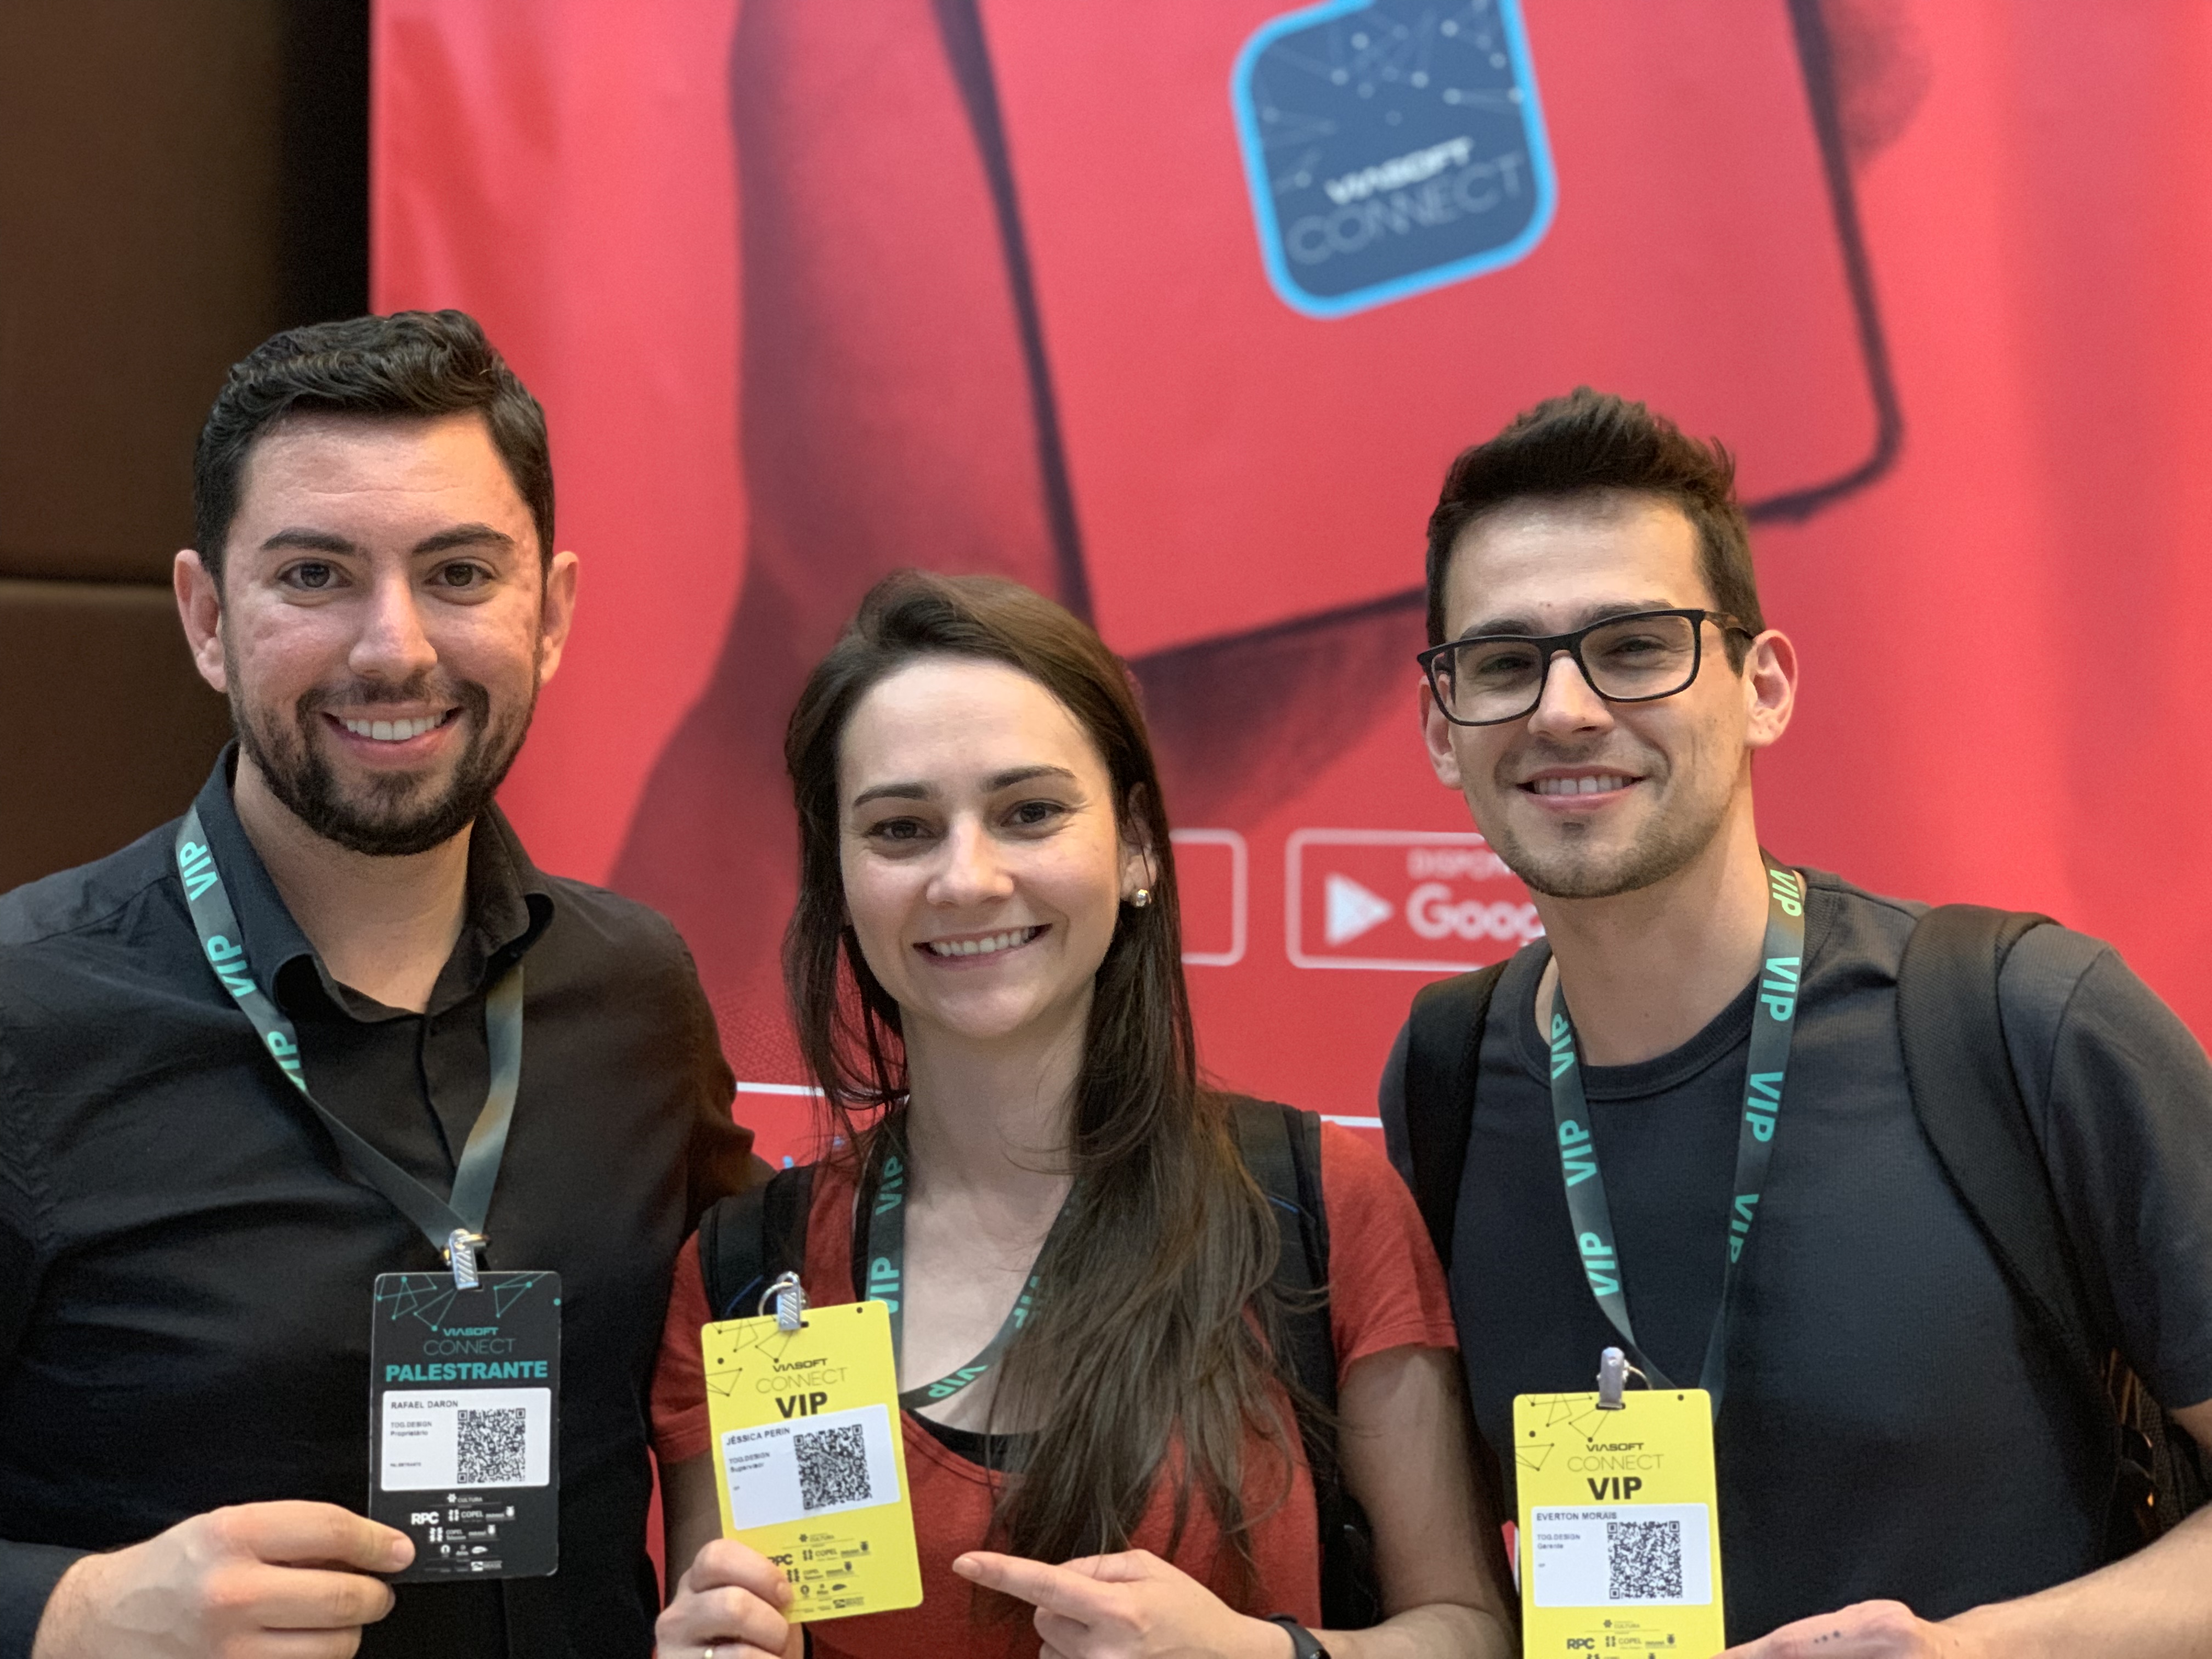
(1240, 888)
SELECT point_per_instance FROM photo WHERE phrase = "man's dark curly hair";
(1588, 442)
(410, 363)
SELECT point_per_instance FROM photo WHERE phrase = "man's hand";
(260, 1581)
(1868, 1630)
(1131, 1605)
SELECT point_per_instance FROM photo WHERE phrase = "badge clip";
(461, 1248)
(790, 1303)
(1614, 1371)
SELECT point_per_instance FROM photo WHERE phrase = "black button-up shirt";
(185, 1270)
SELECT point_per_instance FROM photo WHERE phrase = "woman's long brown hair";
(1151, 1326)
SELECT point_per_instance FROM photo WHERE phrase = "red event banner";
(1176, 309)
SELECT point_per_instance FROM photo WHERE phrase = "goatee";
(386, 817)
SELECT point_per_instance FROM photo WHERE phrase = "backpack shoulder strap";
(748, 1240)
(1969, 1106)
(1443, 1055)
(1281, 1148)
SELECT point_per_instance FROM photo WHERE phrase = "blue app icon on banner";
(1392, 146)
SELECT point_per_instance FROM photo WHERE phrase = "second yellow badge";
(1620, 1537)
(805, 1420)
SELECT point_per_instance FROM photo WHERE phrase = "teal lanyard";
(1772, 1022)
(887, 1271)
(454, 1226)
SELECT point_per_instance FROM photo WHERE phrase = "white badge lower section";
(450, 1438)
(810, 1466)
(1622, 1555)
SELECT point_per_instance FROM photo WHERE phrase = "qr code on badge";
(490, 1447)
(1645, 1560)
(833, 1466)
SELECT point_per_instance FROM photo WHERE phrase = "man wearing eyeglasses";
(1898, 1442)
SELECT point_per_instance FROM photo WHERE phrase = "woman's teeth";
(982, 947)
(393, 730)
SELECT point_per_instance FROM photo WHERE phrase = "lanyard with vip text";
(887, 1270)
(1773, 1019)
(456, 1227)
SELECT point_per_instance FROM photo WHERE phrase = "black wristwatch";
(1304, 1644)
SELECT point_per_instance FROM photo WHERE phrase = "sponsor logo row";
(1381, 900)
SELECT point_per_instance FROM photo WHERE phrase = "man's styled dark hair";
(410, 363)
(1589, 442)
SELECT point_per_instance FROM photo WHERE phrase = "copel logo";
(1401, 899)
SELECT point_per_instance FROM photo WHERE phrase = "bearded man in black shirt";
(1914, 1456)
(188, 1241)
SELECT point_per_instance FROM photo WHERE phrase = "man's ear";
(1435, 737)
(1770, 677)
(557, 613)
(199, 607)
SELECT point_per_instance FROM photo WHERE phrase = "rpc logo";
(1396, 899)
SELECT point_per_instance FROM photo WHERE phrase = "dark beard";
(390, 822)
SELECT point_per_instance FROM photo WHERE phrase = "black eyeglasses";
(1638, 658)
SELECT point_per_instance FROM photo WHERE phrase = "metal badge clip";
(461, 1248)
(1614, 1371)
(790, 1303)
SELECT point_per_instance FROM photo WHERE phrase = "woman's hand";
(731, 1600)
(1131, 1605)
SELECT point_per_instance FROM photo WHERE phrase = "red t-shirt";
(1387, 1291)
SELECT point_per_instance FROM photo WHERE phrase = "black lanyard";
(454, 1226)
(887, 1272)
(1772, 1022)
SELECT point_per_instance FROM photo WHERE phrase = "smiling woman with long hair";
(985, 971)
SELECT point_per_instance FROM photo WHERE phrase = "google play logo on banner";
(1401, 899)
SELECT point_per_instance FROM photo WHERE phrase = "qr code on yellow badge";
(833, 1468)
(782, 1472)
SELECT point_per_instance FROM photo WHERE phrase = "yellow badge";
(806, 1434)
(1620, 1539)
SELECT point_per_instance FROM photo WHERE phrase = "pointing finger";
(1070, 1593)
(1124, 1567)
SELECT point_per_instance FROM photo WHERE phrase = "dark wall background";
(179, 178)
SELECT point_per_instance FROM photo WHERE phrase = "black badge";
(465, 1438)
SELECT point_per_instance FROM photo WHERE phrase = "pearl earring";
(1140, 898)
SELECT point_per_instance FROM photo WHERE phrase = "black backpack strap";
(748, 1240)
(1281, 1148)
(1969, 1106)
(1443, 1052)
